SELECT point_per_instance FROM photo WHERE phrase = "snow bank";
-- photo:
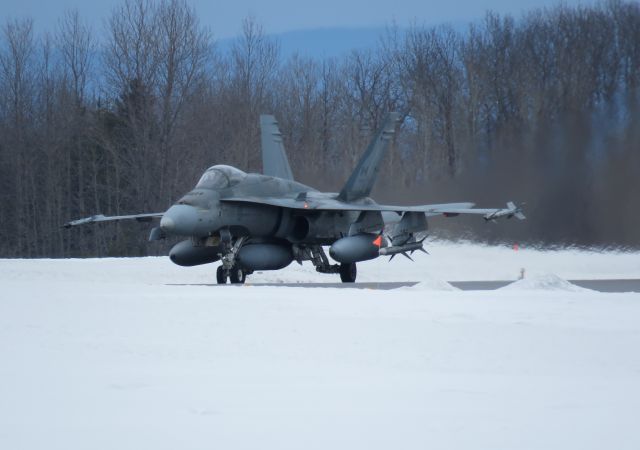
(544, 282)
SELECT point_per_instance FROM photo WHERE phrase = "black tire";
(237, 275)
(348, 272)
(221, 275)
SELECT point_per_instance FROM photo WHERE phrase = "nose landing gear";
(221, 275)
(236, 275)
(229, 268)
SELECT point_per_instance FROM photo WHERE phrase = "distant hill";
(328, 42)
(322, 42)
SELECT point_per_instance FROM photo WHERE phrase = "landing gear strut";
(229, 268)
(348, 272)
(316, 254)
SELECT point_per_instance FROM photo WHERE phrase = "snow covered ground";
(117, 354)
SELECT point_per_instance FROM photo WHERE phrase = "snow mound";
(431, 284)
(544, 282)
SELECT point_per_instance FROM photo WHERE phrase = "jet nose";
(180, 220)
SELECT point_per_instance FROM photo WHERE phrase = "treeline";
(543, 109)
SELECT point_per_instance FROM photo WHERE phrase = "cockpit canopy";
(220, 177)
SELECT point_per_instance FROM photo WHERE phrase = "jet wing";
(337, 205)
(102, 218)
(446, 209)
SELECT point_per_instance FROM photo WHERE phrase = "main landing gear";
(316, 254)
(348, 272)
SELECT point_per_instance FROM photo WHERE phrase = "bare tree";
(254, 59)
(77, 46)
(185, 49)
(431, 63)
(17, 68)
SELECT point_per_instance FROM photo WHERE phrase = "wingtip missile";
(91, 219)
(510, 211)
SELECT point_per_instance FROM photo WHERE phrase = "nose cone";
(181, 220)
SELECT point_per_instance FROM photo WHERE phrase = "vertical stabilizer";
(361, 180)
(274, 158)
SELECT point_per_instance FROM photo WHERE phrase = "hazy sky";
(279, 16)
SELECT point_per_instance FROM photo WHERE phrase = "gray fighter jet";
(251, 221)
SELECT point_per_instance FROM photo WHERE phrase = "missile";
(410, 247)
(362, 247)
(511, 211)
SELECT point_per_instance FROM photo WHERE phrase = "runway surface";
(596, 285)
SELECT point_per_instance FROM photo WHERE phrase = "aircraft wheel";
(237, 275)
(221, 275)
(348, 272)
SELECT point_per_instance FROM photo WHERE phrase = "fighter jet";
(252, 221)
